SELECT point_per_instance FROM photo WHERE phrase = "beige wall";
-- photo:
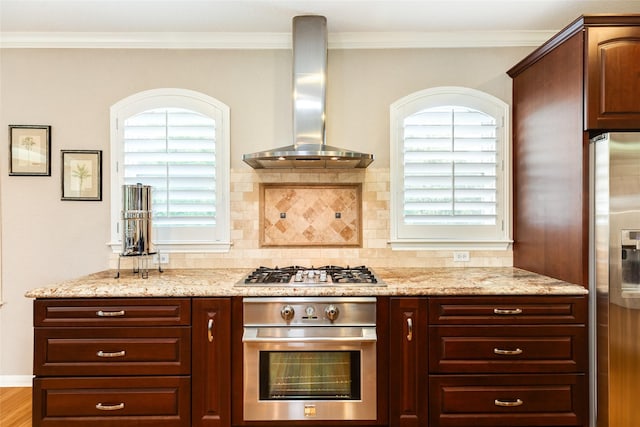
(45, 240)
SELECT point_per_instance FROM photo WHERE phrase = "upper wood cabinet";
(583, 81)
(613, 76)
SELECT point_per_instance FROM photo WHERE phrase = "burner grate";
(328, 275)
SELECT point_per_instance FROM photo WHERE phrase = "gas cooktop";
(328, 275)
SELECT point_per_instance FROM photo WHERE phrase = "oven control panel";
(331, 312)
(309, 311)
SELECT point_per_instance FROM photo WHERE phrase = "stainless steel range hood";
(309, 97)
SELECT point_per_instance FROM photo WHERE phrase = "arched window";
(177, 141)
(450, 170)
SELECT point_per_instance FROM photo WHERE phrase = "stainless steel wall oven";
(309, 358)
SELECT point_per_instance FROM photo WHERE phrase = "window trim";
(182, 98)
(427, 98)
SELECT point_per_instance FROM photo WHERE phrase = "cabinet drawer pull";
(409, 329)
(101, 313)
(507, 311)
(120, 353)
(507, 352)
(210, 330)
(108, 407)
(508, 403)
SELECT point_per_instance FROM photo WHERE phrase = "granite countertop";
(222, 282)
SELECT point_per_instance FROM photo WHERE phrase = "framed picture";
(29, 150)
(81, 175)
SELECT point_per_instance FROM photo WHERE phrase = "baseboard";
(16, 380)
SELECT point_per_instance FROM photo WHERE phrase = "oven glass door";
(320, 375)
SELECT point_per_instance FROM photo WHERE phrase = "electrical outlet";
(164, 258)
(461, 256)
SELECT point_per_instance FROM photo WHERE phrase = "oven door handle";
(253, 335)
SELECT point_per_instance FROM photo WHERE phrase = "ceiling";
(19, 18)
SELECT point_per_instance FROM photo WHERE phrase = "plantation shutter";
(174, 151)
(450, 167)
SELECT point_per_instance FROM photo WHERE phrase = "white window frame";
(421, 237)
(177, 98)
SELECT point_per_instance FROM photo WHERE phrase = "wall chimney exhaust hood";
(309, 149)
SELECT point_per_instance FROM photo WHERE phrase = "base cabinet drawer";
(112, 312)
(495, 310)
(508, 349)
(112, 351)
(507, 400)
(115, 401)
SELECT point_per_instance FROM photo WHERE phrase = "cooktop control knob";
(310, 311)
(332, 312)
(287, 312)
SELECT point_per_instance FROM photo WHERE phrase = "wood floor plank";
(15, 407)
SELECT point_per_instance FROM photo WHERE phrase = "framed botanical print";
(29, 150)
(81, 175)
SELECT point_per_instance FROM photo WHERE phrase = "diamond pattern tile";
(311, 215)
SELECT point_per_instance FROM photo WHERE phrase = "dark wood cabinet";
(613, 77)
(508, 361)
(211, 368)
(508, 310)
(103, 312)
(112, 351)
(408, 400)
(503, 349)
(154, 401)
(583, 81)
(112, 362)
(508, 400)
(462, 361)
(132, 362)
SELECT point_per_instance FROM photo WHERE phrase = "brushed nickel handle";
(508, 403)
(266, 335)
(108, 407)
(210, 330)
(120, 353)
(101, 313)
(507, 311)
(507, 352)
(409, 329)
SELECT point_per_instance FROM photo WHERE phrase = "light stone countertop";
(222, 283)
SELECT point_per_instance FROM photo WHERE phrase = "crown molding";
(136, 40)
(211, 40)
(421, 40)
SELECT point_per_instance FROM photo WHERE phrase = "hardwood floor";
(15, 407)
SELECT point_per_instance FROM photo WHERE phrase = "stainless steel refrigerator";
(615, 279)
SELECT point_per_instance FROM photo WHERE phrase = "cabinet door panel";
(211, 389)
(408, 362)
(613, 78)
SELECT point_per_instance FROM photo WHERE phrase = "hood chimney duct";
(309, 149)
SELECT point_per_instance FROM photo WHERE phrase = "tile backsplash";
(310, 215)
(246, 251)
